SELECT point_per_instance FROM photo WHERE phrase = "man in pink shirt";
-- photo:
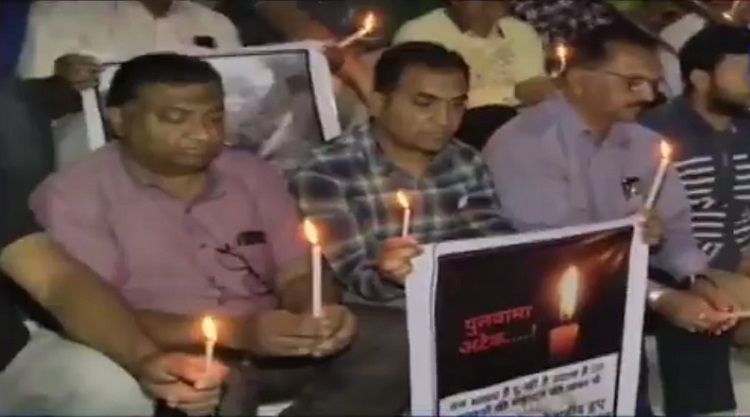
(183, 227)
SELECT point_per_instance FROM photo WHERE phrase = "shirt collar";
(216, 185)
(575, 128)
(380, 163)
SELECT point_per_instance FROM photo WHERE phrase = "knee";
(95, 385)
(382, 339)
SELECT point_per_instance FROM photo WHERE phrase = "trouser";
(480, 123)
(54, 376)
(371, 378)
(694, 367)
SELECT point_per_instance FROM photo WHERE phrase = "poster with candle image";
(536, 324)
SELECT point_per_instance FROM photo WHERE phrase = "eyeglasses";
(231, 260)
(634, 83)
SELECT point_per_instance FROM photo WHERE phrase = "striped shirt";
(715, 169)
(349, 187)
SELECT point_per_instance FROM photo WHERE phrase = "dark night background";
(483, 282)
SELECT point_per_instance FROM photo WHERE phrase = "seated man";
(182, 227)
(708, 128)
(42, 373)
(350, 184)
(505, 56)
(580, 158)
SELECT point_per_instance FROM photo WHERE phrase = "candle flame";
(727, 16)
(568, 291)
(402, 199)
(210, 332)
(368, 25)
(311, 232)
(665, 149)
(562, 52)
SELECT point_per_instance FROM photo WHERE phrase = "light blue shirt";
(549, 172)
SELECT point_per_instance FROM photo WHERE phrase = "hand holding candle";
(404, 202)
(317, 268)
(211, 334)
(367, 27)
(666, 157)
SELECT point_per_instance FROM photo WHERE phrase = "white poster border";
(421, 284)
(320, 74)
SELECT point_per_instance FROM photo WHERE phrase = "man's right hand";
(691, 312)
(394, 259)
(79, 71)
(281, 333)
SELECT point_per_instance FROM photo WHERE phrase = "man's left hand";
(339, 328)
(183, 382)
(719, 299)
(653, 229)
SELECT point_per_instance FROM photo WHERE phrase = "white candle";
(317, 268)
(211, 334)
(666, 152)
(404, 202)
(367, 27)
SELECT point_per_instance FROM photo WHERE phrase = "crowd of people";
(109, 263)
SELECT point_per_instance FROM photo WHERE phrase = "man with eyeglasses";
(580, 158)
(182, 227)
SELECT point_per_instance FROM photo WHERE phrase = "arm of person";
(297, 25)
(290, 249)
(482, 204)
(52, 31)
(533, 84)
(679, 253)
(323, 199)
(533, 192)
(85, 305)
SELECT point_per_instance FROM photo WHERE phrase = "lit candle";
(211, 334)
(561, 52)
(317, 269)
(666, 156)
(563, 339)
(404, 202)
(367, 26)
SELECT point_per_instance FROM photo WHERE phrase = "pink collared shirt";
(164, 254)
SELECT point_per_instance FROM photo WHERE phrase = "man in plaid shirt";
(349, 186)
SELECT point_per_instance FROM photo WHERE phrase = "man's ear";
(114, 119)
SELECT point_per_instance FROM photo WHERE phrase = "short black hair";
(707, 48)
(591, 48)
(158, 68)
(395, 60)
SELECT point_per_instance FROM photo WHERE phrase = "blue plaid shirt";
(348, 188)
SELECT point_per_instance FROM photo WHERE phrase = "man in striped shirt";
(709, 130)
